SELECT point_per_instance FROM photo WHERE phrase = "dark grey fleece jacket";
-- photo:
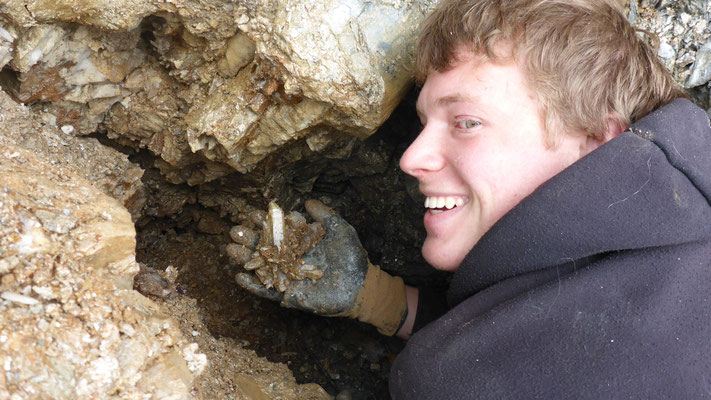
(596, 286)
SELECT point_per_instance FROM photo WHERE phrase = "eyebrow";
(450, 99)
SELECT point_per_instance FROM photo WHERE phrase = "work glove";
(348, 286)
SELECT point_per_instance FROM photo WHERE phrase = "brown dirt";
(255, 348)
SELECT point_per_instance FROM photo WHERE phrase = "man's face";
(481, 151)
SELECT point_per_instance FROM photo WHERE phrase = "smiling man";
(568, 187)
(482, 150)
(568, 183)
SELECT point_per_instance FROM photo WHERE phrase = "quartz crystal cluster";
(275, 254)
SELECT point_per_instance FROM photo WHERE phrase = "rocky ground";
(239, 332)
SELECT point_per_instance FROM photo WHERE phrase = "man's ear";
(613, 127)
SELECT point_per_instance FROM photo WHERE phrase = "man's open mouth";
(438, 204)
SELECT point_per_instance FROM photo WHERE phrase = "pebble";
(150, 282)
(344, 395)
(666, 50)
(701, 70)
(18, 298)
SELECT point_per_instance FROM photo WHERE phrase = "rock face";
(71, 327)
(209, 86)
(684, 41)
(108, 170)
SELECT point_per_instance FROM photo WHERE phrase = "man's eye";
(467, 124)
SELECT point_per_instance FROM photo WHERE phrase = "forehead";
(472, 79)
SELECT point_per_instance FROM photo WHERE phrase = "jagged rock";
(77, 70)
(71, 327)
(684, 37)
(701, 70)
(213, 87)
(106, 169)
(112, 15)
(5, 46)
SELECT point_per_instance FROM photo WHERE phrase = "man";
(568, 185)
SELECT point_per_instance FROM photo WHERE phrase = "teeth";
(447, 202)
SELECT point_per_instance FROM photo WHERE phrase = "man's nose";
(424, 154)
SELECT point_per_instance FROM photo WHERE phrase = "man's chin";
(435, 256)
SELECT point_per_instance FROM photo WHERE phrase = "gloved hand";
(350, 286)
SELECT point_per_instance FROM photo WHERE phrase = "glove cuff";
(381, 301)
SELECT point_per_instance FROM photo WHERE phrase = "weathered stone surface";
(107, 14)
(71, 327)
(352, 55)
(213, 87)
(701, 70)
(106, 169)
(684, 40)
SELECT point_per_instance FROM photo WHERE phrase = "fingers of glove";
(252, 285)
(336, 226)
(240, 254)
(317, 210)
(244, 236)
(332, 222)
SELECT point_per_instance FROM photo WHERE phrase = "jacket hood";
(659, 195)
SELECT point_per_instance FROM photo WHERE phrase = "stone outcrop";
(682, 27)
(212, 87)
(108, 170)
(71, 327)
